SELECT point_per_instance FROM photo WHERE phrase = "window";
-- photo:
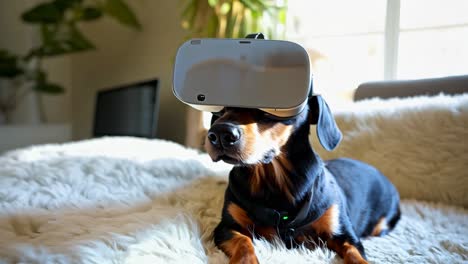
(350, 42)
(433, 38)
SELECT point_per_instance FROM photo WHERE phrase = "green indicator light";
(285, 217)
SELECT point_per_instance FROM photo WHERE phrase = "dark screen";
(127, 111)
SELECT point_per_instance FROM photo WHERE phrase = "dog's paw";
(355, 259)
(244, 259)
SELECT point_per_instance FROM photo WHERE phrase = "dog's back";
(372, 197)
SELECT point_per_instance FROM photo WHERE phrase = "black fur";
(362, 194)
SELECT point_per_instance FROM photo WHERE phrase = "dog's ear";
(328, 132)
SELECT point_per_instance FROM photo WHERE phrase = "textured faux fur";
(420, 143)
(128, 200)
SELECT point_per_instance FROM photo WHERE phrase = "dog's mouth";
(234, 160)
(228, 159)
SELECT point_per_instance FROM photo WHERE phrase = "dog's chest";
(310, 221)
(321, 228)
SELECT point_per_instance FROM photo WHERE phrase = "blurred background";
(78, 69)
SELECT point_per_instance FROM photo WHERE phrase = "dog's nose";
(225, 135)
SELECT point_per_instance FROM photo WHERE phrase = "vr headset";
(270, 75)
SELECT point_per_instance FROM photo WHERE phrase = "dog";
(280, 188)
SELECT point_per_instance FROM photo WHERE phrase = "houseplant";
(234, 18)
(57, 23)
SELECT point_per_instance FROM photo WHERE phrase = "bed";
(132, 200)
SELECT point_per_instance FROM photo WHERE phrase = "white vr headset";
(270, 75)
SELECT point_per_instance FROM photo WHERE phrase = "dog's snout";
(225, 135)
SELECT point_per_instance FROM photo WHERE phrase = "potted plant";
(234, 18)
(57, 23)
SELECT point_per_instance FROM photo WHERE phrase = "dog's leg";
(335, 228)
(237, 246)
(349, 248)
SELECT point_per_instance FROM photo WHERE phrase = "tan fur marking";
(239, 249)
(239, 215)
(381, 226)
(275, 173)
(256, 179)
(348, 252)
(250, 138)
(281, 168)
(260, 138)
(267, 232)
(279, 134)
(328, 223)
(302, 239)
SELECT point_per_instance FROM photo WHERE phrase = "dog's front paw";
(244, 259)
(354, 259)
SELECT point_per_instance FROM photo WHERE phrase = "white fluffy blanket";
(420, 143)
(127, 200)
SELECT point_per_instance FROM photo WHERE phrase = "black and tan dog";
(279, 187)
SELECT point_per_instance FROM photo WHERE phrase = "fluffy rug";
(125, 200)
(128, 200)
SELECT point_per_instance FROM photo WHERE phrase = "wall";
(125, 56)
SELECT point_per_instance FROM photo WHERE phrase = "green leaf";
(282, 16)
(8, 65)
(251, 6)
(48, 32)
(90, 13)
(50, 88)
(78, 41)
(9, 71)
(119, 10)
(225, 7)
(264, 5)
(43, 13)
(69, 40)
(189, 14)
(256, 15)
(212, 3)
(189, 8)
(63, 5)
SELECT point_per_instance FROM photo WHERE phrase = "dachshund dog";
(280, 188)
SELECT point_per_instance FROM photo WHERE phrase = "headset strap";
(258, 35)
